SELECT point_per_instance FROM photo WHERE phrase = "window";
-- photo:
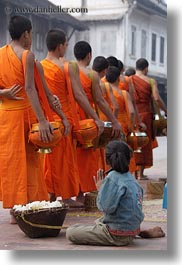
(39, 44)
(143, 43)
(108, 43)
(154, 40)
(133, 40)
(161, 49)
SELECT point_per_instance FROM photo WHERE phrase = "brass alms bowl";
(105, 137)
(86, 134)
(42, 147)
(137, 140)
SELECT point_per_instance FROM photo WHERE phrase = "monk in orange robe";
(124, 80)
(87, 157)
(61, 172)
(21, 168)
(125, 84)
(100, 65)
(126, 115)
(91, 84)
(143, 92)
(61, 169)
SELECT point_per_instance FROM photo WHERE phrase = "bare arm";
(55, 107)
(11, 93)
(157, 97)
(104, 107)
(115, 107)
(131, 110)
(44, 126)
(81, 97)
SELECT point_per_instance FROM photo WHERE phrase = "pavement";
(12, 238)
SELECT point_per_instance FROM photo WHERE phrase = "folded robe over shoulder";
(61, 169)
(21, 168)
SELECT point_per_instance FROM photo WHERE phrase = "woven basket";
(155, 189)
(41, 223)
(91, 201)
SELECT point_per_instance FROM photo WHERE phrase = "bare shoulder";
(73, 67)
(102, 86)
(30, 57)
(39, 66)
(95, 75)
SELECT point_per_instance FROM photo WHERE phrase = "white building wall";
(117, 40)
(105, 38)
(151, 24)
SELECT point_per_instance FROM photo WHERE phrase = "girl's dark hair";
(18, 25)
(118, 155)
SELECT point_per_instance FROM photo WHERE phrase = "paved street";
(12, 238)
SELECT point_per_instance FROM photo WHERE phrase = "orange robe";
(123, 117)
(142, 94)
(61, 170)
(21, 168)
(124, 83)
(88, 162)
(105, 86)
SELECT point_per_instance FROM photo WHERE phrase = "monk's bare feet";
(52, 197)
(80, 197)
(73, 204)
(152, 233)
(142, 177)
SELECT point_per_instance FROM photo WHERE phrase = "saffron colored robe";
(61, 169)
(142, 94)
(21, 168)
(123, 116)
(124, 83)
(88, 159)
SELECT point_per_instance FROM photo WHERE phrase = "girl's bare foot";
(152, 233)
